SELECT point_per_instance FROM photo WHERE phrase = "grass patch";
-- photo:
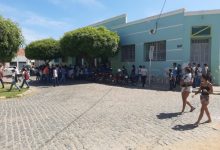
(13, 93)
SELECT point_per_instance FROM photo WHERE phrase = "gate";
(200, 51)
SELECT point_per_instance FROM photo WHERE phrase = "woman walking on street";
(186, 84)
(25, 76)
(205, 89)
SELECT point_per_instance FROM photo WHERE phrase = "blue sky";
(52, 18)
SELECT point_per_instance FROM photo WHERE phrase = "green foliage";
(90, 42)
(10, 39)
(46, 50)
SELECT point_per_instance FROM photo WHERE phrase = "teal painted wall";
(176, 30)
(207, 20)
(170, 28)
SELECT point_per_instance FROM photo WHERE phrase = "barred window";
(128, 53)
(159, 53)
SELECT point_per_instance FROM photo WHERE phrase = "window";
(128, 53)
(201, 31)
(159, 51)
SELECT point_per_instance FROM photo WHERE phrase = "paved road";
(100, 117)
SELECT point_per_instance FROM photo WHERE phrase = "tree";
(90, 43)
(46, 50)
(10, 39)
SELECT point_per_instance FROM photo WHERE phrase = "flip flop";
(196, 124)
(208, 121)
(192, 109)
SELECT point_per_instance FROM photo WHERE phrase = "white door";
(200, 51)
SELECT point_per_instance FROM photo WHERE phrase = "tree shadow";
(184, 127)
(168, 115)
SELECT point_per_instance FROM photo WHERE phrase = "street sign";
(151, 52)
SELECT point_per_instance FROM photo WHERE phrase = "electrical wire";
(160, 15)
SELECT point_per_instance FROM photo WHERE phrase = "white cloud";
(31, 18)
(34, 19)
(31, 35)
(32, 23)
(6, 8)
(89, 3)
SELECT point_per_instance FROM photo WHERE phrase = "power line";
(164, 4)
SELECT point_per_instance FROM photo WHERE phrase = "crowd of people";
(187, 77)
(58, 74)
(177, 72)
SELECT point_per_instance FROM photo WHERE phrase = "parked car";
(8, 71)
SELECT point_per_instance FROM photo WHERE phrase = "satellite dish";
(153, 31)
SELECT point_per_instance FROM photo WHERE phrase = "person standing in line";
(46, 73)
(174, 72)
(37, 74)
(14, 81)
(143, 76)
(133, 74)
(63, 75)
(179, 74)
(171, 80)
(186, 84)
(26, 77)
(1, 76)
(205, 69)
(55, 76)
(139, 73)
(199, 75)
(205, 89)
(194, 74)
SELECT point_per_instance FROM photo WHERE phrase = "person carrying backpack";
(26, 77)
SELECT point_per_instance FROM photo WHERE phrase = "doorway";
(201, 51)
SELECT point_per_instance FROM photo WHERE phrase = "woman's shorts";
(204, 99)
(187, 89)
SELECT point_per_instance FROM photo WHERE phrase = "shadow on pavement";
(184, 127)
(168, 115)
(50, 84)
(157, 87)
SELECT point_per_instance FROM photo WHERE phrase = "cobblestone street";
(100, 117)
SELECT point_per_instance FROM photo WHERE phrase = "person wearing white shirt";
(186, 84)
(55, 77)
(198, 75)
(143, 76)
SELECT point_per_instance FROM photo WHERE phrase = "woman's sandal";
(196, 124)
(192, 109)
(208, 121)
